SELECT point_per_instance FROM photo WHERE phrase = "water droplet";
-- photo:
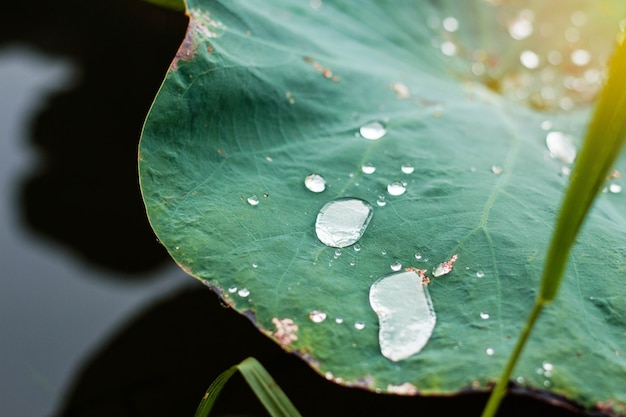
(489, 351)
(419, 256)
(383, 252)
(368, 168)
(580, 57)
(337, 253)
(615, 188)
(315, 183)
(396, 188)
(339, 320)
(480, 274)
(405, 313)
(561, 146)
(484, 315)
(253, 200)
(244, 292)
(450, 24)
(232, 289)
(373, 131)
(381, 201)
(317, 316)
(444, 267)
(579, 18)
(520, 380)
(546, 125)
(396, 266)
(547, 383)
(255, 265)
(529, 59)
(352, 263)
(342, 222)
(496, 169)
(407, 168)
(521, 27)
(356, 247)
(359, 325)
(448, 48)
(547, 366)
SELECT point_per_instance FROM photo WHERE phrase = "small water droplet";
(547, 366)
(368, 168)
(529, 59)
(522, 26)
(317, 316)
(232, 289)
(352, 263)
(561, 146)
(339, 320)
(489, 351)
(484, 315)
(407, 168)
(244, 292)
(396, 266)
(342, 222)
(450, 24)
(580, 57)
(383, 252)
(315, 183)
(419, 256)
(579, 18)
(615, 188)
(356, 247)
(480, 274)
(396, 188)
(520, 380)
(448, 48)
(405, 314)
(255, 265)
(373, 130)
(253, 200)
(359, 325)
(381, 202)
(547, 383)
(337, 253)
(546, 125)
(496, 169)
(444, 267)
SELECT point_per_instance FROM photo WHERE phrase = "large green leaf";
(262, 95)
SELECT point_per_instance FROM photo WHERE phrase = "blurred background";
(95, 319)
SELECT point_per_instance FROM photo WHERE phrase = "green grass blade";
(206, 405)
(267, 391)
(178, 5)
(263, 385)
(605, 138)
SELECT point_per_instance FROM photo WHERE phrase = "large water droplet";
(489, 351)
(396, 188)
(253, 200)
(373, 130)
(561, 146)
(315, 183)
(405, 313)
(342, 222)
(368, 168)
(615, 188)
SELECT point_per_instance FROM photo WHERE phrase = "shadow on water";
(85, 197)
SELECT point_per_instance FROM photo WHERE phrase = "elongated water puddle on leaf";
(405, 314)
(342, 222)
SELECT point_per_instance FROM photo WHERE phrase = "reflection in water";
(53, 310)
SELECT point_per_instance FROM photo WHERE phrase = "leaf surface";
(258, 98)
